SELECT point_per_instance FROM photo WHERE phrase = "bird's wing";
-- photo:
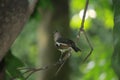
(62, 45)
(65, 41)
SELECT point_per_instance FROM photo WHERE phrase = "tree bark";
(13, 16)
(116, 37)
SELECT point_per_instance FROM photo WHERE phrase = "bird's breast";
(63, 47)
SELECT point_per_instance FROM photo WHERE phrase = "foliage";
(100, 32)
(98, 66)
(12, 63)
(99, 6)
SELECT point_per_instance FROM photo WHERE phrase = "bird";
(63, 44)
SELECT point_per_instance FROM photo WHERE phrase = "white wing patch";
(61, 44)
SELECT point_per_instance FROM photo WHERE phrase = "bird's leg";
(67, 55)
(63, 60)
(60, 59)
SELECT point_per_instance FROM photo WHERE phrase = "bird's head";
(57, 35)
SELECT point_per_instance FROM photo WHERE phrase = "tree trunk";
(116, 37)
(56, 20)
(13, 16)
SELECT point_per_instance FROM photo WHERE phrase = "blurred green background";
(99, 26)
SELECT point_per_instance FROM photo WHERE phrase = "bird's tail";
(76, 49)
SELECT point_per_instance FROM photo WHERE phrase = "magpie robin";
(64, 45)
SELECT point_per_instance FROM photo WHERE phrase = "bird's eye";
(57, 45)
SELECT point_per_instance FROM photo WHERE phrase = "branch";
(84, 14)
(32, 6)
(30, 71)
(83, 31)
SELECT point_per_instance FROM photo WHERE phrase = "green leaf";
(12, 63)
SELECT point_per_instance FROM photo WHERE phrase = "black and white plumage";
(64, 44)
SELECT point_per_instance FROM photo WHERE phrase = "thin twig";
(30, 71)
(83, 19)
(29, 75)
(91, 48)
(84, 14)
(60, 67)
(64, 59)
(83, 31)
